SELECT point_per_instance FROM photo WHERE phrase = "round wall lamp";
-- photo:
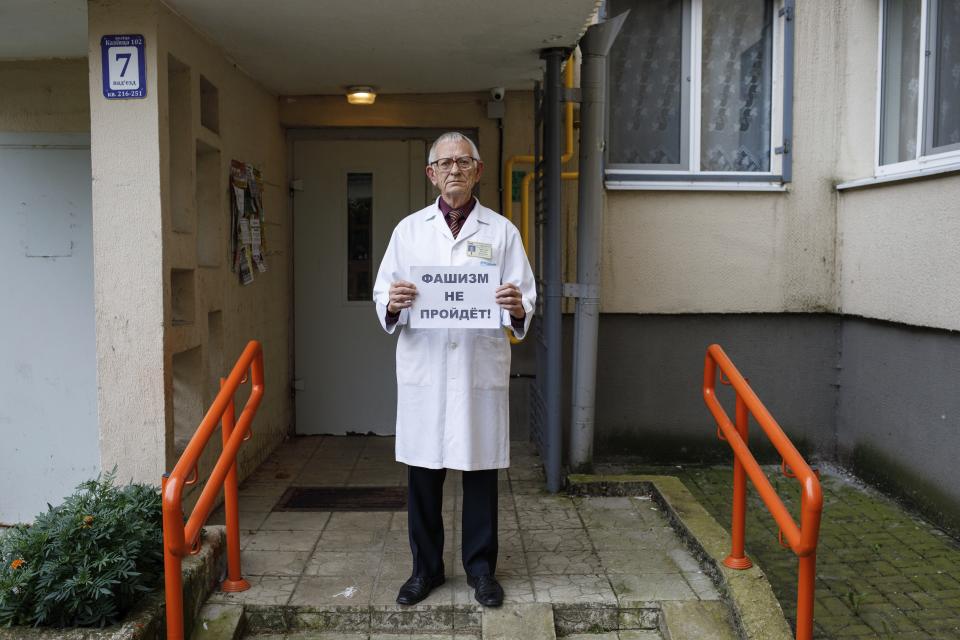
(361, 95)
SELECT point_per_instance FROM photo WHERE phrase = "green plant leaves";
(85, 562)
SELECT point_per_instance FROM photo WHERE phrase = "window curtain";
(736, 91)
(901, 80)
(646, 70)
(946, 117)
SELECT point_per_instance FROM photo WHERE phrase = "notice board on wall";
(247, 240)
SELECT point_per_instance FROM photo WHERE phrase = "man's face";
(455, 185)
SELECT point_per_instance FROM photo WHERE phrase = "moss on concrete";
(897, 479)
(649, 447)
(219, 622)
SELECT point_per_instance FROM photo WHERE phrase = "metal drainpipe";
(552, 276)
(594, 47)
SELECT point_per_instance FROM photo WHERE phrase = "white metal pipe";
(594, 47)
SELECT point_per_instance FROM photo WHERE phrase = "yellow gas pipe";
(525, 184)
(565, 158)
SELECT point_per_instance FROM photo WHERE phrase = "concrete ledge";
(147, 621)
(363, 619)
(219, 622)
(756, 610)
(513, 621)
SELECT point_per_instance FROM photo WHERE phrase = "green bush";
(85, 562)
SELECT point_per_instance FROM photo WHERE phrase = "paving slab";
(882, 570)
(598, 564)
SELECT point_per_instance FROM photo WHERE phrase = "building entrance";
(350, 195)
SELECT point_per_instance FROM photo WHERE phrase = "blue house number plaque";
(124, 71)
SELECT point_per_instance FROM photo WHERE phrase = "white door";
(48, 360)
(352, 194)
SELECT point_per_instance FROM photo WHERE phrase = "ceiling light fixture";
(361, 95)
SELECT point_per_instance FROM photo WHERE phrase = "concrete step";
(695, 620)
(631, 634)
(338, 635)
(567, 618)
(219, 622)
(510, 622)
(515, 621)
(347, 635)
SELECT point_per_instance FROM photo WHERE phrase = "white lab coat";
(453, 384)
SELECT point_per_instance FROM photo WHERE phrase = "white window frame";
(923, 163)
(633, 176)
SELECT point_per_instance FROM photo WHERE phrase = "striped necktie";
(456, 219)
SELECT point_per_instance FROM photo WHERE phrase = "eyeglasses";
(445, 165)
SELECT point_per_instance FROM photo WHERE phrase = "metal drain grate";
(343, 499)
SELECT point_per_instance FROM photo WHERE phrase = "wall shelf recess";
(209, 105)
(211, 242)
(181, 156)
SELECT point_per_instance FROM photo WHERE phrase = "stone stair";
(677, 621)
(219, 622)
(534, 621)
(619, 558)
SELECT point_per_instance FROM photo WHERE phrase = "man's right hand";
(401, 294)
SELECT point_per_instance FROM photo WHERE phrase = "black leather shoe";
(486, 590)
(416, 588)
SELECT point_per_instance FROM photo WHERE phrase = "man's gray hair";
(452, 136)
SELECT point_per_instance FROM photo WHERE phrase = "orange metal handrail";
(179, 539)
(802, 538)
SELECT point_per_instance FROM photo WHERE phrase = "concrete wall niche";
(188, 405)
(209, 199)
(215, 366)
(182, 296)
(179, 109)
(209, 105)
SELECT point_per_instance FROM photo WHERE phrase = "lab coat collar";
(478, 218)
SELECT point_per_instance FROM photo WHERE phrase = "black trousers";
(425, 520)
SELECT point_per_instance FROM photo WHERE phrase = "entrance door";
(352, 194)
(48, 359)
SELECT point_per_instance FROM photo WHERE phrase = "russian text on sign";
(455, 297)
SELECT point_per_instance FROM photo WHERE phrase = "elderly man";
(452, 384)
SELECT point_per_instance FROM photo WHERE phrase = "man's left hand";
(509, 298)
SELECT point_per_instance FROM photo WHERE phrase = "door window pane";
(646, 72)
(736, 85)
(359, 236)
(946, 101)
(901, 80)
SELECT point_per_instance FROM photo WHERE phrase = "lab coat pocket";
(413, 358)
(491, 362)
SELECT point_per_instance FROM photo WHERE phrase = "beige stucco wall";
(128, 256)
(897, 249)
(858, 88)
(719, 252)
(136, 247)
(899, 252)
(44, 95)
(882, 252)
(249, 131)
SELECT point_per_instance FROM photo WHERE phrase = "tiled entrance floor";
(605, 564)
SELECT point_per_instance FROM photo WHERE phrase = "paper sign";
(124, 67)
(455, 298)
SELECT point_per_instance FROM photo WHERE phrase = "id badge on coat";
(482, 250)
